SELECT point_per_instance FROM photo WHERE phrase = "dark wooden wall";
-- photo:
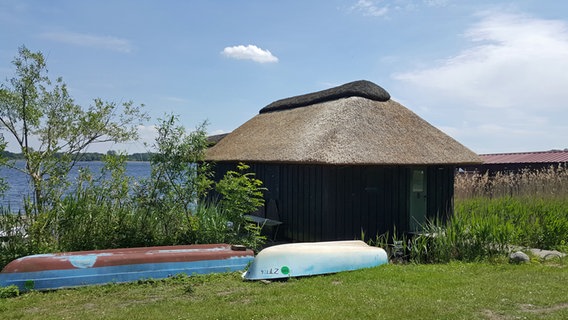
(440, 191)
(323, 202)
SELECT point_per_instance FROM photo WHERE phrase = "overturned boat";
(73, 269)
(313, 258)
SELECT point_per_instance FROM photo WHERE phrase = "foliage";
(179, 176)
(9, 292)
(100, 213)
(241, 193)
(532, 222)
(213, 223)
(3, 161)
(35, 108)
(15, 241)
(465, 239)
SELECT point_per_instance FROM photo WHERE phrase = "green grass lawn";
(448, 291)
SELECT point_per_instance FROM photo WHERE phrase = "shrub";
(9, 292)
(15, 241)
(240, 193)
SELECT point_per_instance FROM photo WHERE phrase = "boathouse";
(344, 162)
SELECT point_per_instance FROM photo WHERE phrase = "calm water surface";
(20, 185)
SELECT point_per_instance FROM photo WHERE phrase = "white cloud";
(378, 8)
(509, 83)
(89, 40)
(436, 3)
(250, 52)
(370, 8)
(513, 60)
(176, 100)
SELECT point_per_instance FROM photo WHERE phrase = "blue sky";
(491, 74)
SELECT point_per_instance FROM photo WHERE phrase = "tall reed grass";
(533, 202)
(492, 215)
(551, 182)
(534, 222)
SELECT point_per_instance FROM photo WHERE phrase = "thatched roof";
(340, 126)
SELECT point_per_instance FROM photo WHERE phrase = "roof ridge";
(360, 88)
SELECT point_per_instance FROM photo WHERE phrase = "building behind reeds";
(344, 161)
(517, 162)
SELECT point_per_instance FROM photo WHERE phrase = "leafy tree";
(52, 131)
(179, 176)
(4, 159)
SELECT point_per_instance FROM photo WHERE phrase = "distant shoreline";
(88, 156)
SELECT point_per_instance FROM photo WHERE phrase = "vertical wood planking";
(325, 202)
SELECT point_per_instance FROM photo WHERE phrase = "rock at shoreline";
(519, 257)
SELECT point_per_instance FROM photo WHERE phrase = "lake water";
(20, 185)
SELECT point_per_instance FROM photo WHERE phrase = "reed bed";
(493, 215)
(534, 222)
(548, 183)
(533, 202)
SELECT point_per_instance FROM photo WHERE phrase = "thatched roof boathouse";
(345, 160)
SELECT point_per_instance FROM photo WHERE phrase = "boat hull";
(306, 259)
(73, 269)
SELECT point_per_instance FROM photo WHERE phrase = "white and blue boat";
(314, 258)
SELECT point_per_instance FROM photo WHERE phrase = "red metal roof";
(553, 156)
